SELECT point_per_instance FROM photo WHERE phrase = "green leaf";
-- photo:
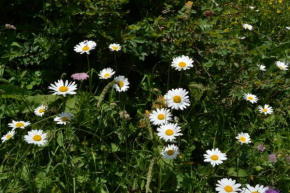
(13, 90)
(241, 173)
(60, 139)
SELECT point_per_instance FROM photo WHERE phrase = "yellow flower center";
(214, 157)
(170, 152)
(169, 132)
(243, 139)
(121, 84)
(265, 110)
(8, 136)
(161, 116)
(250, 98)
(64, 119)
(106, 75)
(255, 192)
(182, 64)
(228, 189)
(86, 48)
(281, 67)
(246, 26)
(63, 89)
(19, 125)
(37, 138)
(41, 110)
(177, 99)
(115, 47)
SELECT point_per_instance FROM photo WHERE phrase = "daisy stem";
(91, 74)
(116, 63)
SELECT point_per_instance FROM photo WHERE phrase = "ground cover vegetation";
(144, 96)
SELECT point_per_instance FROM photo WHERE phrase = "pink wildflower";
(80, 76)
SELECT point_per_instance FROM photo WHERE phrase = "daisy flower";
(251, 7)
(121, 84)
(168, 132)
(247, 26)
(63, 118)
(177, 99)
(36, 137)
(227, 185)
(244, 138)
(115, 47)
(214, 156)
(262, 67)
(39, 111)
(85, 47)
(257, 189)
(106, 73)
(242, 37)
(18, 124)
(250, 97)
(182, 63)
(160, 116)
(8, 136)
(266, 109)
(63, 88)
(170, 152)
(282, 65)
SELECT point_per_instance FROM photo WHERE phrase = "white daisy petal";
(18, 124)
(177, 99)
(252, 98)
(63, 88)
(9, 135)
(160, 116)
(85, 47)
(244, 138)
(170, 152)
(169, 132)
(39, 111)
(215, 157)
(106, 73)
(262, 67)
(115, 47)
(36, 137)
(63, 118)
(227, 186)
(257, 189)
(182, 63)
(282, 65)
(122, 84)
(266, 109)
(248, 27)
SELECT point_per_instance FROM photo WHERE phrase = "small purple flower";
(261, 147)
(270, 190)
(272, 158)
(80, 76)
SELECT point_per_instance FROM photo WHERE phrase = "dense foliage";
(110, 144)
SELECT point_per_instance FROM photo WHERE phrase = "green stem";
(116, 64)
(91, 74)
